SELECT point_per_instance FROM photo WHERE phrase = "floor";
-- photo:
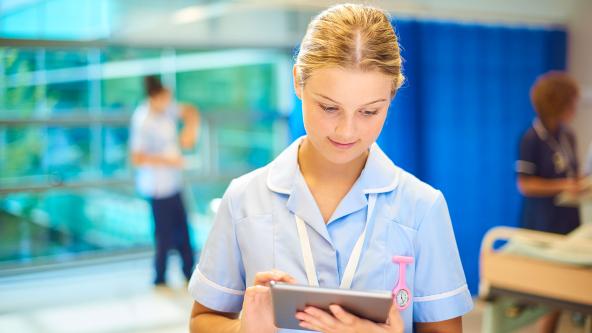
(116, 298)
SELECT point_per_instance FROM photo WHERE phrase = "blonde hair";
(350, 36)
(553, 94)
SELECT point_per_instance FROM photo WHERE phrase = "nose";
(346, 128)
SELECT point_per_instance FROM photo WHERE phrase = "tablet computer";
(287, 299)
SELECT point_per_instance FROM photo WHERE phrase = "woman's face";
(569, 113)
(344, 110)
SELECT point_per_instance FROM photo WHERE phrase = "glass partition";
(66, 184)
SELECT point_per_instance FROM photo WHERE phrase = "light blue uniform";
(156, 134)
(255, 230)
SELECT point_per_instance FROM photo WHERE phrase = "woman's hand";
(341, 321)
(257, 314)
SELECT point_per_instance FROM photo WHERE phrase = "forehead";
(349, 85)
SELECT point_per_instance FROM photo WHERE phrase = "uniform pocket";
(399, 242)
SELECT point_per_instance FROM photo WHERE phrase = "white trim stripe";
(214, 285)
(525, 167)
(442, 295)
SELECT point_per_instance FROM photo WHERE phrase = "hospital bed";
(533, 273)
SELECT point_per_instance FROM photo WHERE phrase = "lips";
(341, 145)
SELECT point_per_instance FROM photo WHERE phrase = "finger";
(342, 315)
(255, 292)
(284, 276)
(394, 318)
(263, 278)
(257, 297)
(309, 326)
(326, 318)
(310, 321)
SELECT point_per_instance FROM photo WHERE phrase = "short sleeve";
(218, 281)
(440, 290)
(527, 160)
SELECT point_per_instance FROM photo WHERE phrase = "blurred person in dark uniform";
(548, 163)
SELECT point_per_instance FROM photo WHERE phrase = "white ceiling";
(279, 23)
(283, 22)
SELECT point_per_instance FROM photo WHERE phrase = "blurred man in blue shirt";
(156, 153)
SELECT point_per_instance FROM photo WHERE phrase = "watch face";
(402, 297)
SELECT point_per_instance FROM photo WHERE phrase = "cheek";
(314, 120)
(372, 128)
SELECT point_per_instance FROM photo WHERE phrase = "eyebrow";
(334, 101)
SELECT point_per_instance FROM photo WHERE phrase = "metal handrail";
(79, 118)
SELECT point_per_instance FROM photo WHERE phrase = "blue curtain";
(457, 121)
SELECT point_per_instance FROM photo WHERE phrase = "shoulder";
(412, 199)
(417, 191)
(254, 179)
(139, 116)
(529, 141)
(530, 135)
(248, 194)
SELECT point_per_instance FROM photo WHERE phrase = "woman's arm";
(191, 119)
(532, 186)
(143, 159)
(207, 320)
(453, 325)
(257, 312)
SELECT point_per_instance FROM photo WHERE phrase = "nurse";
(548, 163)
(332, 209)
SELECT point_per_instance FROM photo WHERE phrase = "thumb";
(394, 318)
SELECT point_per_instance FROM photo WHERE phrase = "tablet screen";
(287, 299)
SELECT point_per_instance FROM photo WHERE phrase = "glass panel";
(121, 94)
(71, 97)
(67, 154)
(62, 223)
(115, 151)
(16, 60)
(238, 100)
(239, 88)
(22, 152)
(22, 101)
(66, 58)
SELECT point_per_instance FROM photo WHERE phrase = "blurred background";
(76, 239)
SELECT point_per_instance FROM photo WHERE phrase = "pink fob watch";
(402, 294)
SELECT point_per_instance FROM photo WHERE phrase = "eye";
(369, 113)
(328, 109)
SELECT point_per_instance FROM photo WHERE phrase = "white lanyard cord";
(354, 259)
(311, 272)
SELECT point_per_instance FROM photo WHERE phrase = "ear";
(297, 86)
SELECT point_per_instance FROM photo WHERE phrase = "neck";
(551, 126)
(313, 165)
(152, 108)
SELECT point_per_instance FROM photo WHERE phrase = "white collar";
(379, 175)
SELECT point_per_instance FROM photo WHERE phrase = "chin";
(342, 157)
